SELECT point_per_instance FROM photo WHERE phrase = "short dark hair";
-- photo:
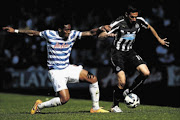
(62, 25)
(61, 21)
(131, 9)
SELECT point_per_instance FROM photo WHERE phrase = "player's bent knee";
(146, 74)
(91, 77)
(121, 84)
(94, 80)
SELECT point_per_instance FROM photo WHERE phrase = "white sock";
(51, 103)
(94, 91)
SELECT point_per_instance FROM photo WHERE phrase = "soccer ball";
(132, 100)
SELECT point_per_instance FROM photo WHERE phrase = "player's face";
(133, 16)
(67, 30)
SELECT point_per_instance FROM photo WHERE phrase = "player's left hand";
(111, 35)
(9, 29)
(164, 42)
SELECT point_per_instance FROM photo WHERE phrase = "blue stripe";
(73, 35)
(61, 49)
(59, 64)
(54, 38)
(44, 34)
(56, 68)
(52, 43)
(49, 37)
(79, 34)
(58, 59)
(51, 33)
(60, 54)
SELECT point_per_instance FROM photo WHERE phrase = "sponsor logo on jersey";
(64, 45)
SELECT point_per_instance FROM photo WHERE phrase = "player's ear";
(59, 30)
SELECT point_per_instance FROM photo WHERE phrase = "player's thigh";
(121, 79)
(58, 80)
(139, 63)
(135, 59)
(73, 73)
(87, 76)
(142, 68)
(117, 62)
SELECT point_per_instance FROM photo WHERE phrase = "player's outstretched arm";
(105, 32)
(28, 32)
(97, 31)
(91, 32)
(161, 41)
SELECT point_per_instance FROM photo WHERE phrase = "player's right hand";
(106, 28)
(8, 29)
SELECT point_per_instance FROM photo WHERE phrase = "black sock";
(117, 95)
(138, 82)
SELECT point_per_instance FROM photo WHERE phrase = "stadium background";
(23, 58)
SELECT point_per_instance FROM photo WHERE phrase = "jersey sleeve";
(114, 27)
(143, 22)
(75, 34)
(44, 34)
(115, 24)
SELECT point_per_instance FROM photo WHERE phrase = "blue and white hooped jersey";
(58, 49)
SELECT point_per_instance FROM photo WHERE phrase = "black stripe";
(128, 44)
(121, 44)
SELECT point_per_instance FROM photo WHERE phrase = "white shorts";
(60, 78)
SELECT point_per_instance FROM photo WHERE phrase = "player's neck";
(61, 34)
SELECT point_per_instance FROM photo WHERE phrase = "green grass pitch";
(17, 107)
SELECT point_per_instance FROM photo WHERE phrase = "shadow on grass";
(57, 112)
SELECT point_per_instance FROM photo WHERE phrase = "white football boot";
(116, 109)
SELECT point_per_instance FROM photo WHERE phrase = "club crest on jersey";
(64, 45)
(137, 25)
(118, 68)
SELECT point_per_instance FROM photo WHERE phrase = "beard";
(133, 22)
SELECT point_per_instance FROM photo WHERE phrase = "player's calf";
(64, 96)
(138, 82)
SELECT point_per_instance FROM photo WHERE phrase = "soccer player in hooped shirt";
(126, 28)
(61, 72)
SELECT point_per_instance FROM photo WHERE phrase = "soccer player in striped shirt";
(126, 28)
(61, 72)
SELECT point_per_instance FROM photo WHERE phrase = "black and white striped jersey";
(126, 32)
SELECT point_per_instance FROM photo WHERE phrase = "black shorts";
(119, 58)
